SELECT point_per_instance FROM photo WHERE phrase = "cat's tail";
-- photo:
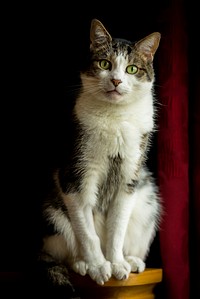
(53, 279)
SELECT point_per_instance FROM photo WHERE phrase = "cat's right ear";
(99, 36)
(148, 45)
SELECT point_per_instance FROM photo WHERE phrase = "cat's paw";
(80, 267)
(100, 273)
(121, 270)
(137, 265)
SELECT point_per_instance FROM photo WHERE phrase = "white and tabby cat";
(104, 209)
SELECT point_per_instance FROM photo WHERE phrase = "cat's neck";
(139, 112)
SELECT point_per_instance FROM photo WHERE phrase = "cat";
(104, 209)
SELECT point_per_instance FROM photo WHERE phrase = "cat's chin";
(113, 95)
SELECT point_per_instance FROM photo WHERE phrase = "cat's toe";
(137, 265)
(121, 270)
(80, 267)
(100, 273)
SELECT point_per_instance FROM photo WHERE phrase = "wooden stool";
(138, 286)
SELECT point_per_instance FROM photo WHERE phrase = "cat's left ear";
(99, 36)
(148, 46)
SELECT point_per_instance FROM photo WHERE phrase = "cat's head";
(119, 69)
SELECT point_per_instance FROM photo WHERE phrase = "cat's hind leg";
(52, 279)
(136, 263)
(142, 226)
(54, 258)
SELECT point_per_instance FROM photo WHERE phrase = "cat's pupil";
(105, 64)
(131, 69)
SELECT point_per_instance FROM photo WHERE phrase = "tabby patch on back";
(104, 209)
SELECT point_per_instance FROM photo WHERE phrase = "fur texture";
(104, 209)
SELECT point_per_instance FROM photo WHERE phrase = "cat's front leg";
(93, 261)
(98, 272)
(117, 222)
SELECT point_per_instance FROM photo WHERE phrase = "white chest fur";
(114, 130)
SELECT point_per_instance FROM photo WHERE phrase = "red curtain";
(178, 155)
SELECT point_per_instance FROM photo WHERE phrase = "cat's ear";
(148, 46)
(99, 36)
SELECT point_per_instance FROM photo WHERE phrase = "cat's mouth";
(113, 93)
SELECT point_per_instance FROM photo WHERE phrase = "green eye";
(104, 64)
(131, 69)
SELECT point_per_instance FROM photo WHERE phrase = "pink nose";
(116, 82)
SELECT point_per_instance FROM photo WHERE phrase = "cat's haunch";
(104, 209)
